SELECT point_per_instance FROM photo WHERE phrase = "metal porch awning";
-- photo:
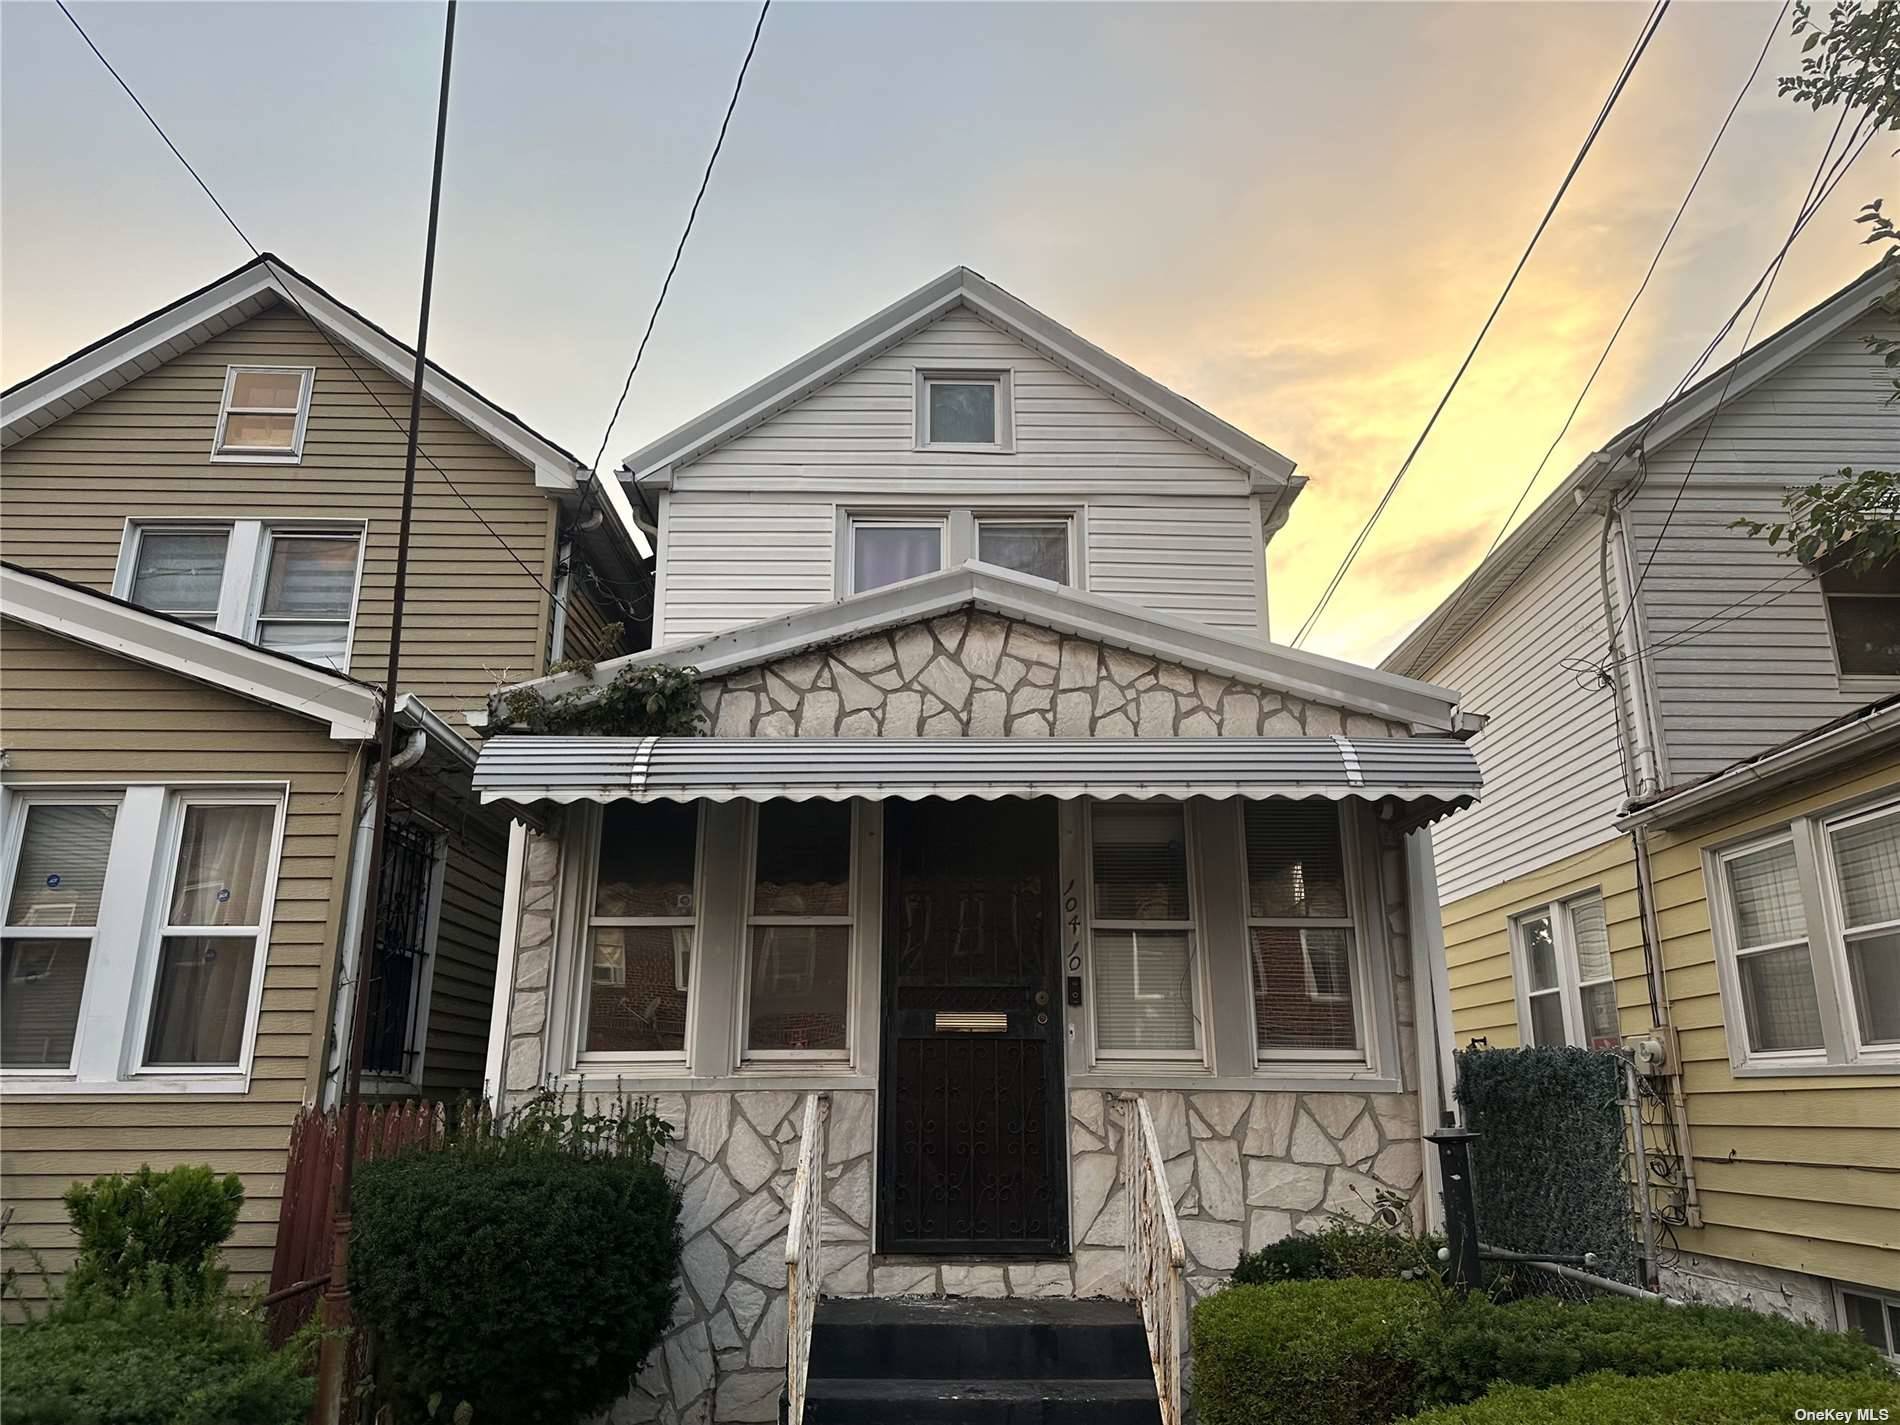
(1438, 772)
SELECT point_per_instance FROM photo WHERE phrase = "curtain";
(888, 554)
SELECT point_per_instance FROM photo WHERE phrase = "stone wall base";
(1721, 1281)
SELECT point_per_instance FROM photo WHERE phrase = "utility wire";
(1648, 32)
(679, 249)
(348, 364)
(1655, 260)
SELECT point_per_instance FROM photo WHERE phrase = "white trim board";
(68, 611)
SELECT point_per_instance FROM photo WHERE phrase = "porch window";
(641, 930)
(1563, 966)
(1142, 942)
(263, 413)
(1306, 976)
(799, 930)
(58, 878)
(213, 927)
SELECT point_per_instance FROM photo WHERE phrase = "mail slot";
(972, 1021)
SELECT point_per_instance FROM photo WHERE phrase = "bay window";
(1307, 983)
(1142, 933)
(799, 932)
(137, 929)
(640, 932)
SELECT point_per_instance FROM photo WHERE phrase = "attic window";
(963, 410)
(262, 416)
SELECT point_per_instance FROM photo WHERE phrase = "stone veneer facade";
(1245, 1167)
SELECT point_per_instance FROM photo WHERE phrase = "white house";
(1010, 825)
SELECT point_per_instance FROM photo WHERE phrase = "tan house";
(1691, 845)
(198, 521)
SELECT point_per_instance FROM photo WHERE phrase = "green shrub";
(1296, 1352)
(1543, 1342)
(162, 1229)
(1686, 1398)
(139, 1359)
(1346, 1249)
(527, 1271)
(1298, 1258)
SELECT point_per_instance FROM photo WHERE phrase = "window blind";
(1304, 978)
(1145, 975)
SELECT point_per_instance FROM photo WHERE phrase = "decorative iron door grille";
(394, 1037)
(971, 1157)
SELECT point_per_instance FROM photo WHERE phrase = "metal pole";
(333, 1352)
(1461, 1209)
(1641, 1144)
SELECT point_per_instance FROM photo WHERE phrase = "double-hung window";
(1142, 933)
(60, 851)
(1567, 990)
(640, 932)
(1035, 545)
(888, 551)
(1807, 930)
(289, 586)
(799, 932)
(889, 546)
(1308, 984)
(136, 929)
(262, 417)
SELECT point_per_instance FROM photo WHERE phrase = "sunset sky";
(1296, 215)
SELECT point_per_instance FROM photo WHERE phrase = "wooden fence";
(301, 1258)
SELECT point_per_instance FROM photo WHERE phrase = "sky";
(1297, 215)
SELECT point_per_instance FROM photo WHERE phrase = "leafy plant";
(1685, 1398)
(1297, 1352)
(1345, 1249)
(1850, 524)
(641, 700)
(1298, 1258)
(524, 1269)
(1543, 1342)
(1547, 1166)
(157, 1229)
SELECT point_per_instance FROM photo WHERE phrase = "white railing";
(1156, 1255)
(805, 1251)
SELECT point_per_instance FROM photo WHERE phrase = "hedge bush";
(1685, 1398)
(142, 1360)
(152, 1229)
(1543, 1342)
(1298, 1352)
(1346, 1249)
(527, 1272)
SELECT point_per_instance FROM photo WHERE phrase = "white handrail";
(1156, 1255)
(805, 1252)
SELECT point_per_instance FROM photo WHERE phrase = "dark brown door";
(971, 1148)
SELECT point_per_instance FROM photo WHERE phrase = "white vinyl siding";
(750, 531)
(1552, 778)
(1739, 685)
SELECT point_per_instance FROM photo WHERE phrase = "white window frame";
(959, 538)
(1841, 1050)
(257, 618)
(247, 566)
(938, 520)
(1001, 378)
(795, 1058)
(1834, 916)
(131, 542)
(224, 454)
(1889, 1304)
(1570, 982)
(1195, 1059)
(587, 882)
(1352, 848)
(115, 1004)
(1028, 517)
(14, 827)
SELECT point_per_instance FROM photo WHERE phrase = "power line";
(1648, 32)
(679, 249)
(1642, 287)
(288, 292)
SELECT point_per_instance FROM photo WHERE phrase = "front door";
(971, 1151)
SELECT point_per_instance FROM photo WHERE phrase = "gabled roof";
(1580, 494)
(100, 621)
(959, 287)
(152, 340)
(1053, 606)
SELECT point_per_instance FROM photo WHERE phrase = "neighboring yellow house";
(1690, 837)
(198, 521)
